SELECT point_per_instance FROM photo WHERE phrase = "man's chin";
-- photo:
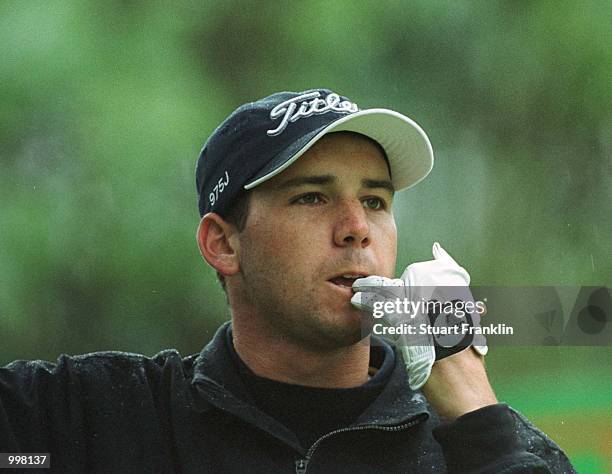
(338, 339)
(347, 331)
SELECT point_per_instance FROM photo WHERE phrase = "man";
(295, 194)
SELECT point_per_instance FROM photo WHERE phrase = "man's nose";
(352, 227)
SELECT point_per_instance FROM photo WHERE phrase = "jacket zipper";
(301, 465)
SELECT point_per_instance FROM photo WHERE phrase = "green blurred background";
(105, 106)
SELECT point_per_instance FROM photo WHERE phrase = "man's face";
(325, 216)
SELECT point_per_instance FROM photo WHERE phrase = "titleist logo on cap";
(294, 109)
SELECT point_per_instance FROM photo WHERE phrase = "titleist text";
(294, 109)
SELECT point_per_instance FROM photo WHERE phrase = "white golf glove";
(421, 281)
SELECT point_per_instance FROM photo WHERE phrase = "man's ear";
(216, 244)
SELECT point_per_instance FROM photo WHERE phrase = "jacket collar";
(217, 380)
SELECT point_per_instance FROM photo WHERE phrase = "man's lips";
(345, 280)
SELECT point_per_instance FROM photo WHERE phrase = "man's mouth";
(346, 279)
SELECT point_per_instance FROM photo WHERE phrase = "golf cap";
(262, 138)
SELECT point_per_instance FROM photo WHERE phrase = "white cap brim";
(407, 146)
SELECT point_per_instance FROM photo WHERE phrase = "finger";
(360, 302)
(376, 281)
(380, 286)
(436, 250)
(365, 301)
(440, 254)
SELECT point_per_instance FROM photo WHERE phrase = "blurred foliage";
(105, 106)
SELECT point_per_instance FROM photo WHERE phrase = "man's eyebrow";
(330, 179)
(304, 180)
(378, 183)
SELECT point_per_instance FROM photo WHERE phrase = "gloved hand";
(421, 281)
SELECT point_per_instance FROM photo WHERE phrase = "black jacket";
(119, 412)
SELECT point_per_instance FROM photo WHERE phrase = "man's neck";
(281, 359)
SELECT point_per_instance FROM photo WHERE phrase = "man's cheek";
(386, 255)
(391, 249)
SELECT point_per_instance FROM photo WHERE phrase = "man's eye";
(373, 203)
(310, 198)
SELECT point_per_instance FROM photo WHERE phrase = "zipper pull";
(300, 466)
